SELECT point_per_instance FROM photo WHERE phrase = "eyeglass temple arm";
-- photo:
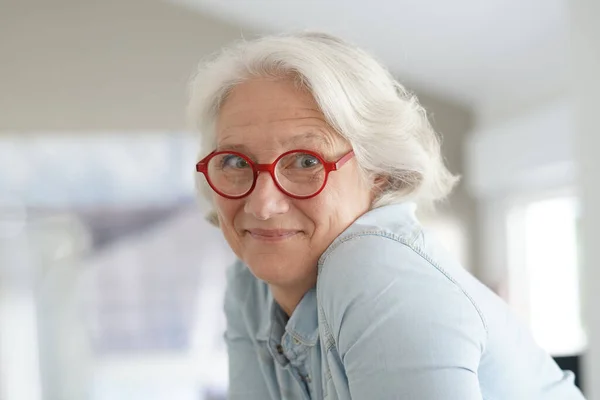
(201, 165)
(339, 163)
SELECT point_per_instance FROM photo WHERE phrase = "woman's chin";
(280, 270)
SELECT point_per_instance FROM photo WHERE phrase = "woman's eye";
(233, 161)
(306, 161)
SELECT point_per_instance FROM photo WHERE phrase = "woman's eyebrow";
(241, 148)
(312, 136)
(303, 140)
(294, 140)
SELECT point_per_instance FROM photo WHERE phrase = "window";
(543, 270)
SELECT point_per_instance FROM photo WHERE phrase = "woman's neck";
(288, 298)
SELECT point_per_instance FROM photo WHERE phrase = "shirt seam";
(419, 252)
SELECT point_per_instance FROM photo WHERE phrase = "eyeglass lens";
(297, 173)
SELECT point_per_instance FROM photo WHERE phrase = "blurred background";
(111, 281)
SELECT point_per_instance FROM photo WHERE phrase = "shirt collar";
(302, 326)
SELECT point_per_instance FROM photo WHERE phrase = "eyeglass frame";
(328, 166)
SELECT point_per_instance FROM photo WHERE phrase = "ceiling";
(486, 54)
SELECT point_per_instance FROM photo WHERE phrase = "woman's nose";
(266, 200)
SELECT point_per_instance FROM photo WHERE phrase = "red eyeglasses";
(300, 174)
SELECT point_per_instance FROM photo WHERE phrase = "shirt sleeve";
(246, 380)
(402, 327)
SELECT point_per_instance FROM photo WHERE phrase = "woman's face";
(281, 238)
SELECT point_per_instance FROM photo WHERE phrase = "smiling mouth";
(272, 235)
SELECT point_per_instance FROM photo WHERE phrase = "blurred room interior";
(111, 280)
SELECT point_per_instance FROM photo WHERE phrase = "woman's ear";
(380, 183)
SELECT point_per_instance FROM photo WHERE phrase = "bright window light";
(546, 265)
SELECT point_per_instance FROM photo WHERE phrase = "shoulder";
(372, 239)
(387, 243)
(371, 258)
(380, 267)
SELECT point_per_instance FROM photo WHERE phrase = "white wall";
(456, 221)
(585, 40)
(100, 65)
(529, 152)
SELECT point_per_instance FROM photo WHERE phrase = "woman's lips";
(272, 235)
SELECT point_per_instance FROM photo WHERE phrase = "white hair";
(384, 123)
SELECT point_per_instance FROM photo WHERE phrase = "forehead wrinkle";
(310, 137)
(267, 121)
(270, 125)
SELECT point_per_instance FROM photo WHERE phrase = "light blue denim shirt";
(393, 316)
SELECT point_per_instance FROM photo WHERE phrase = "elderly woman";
(314, 158)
